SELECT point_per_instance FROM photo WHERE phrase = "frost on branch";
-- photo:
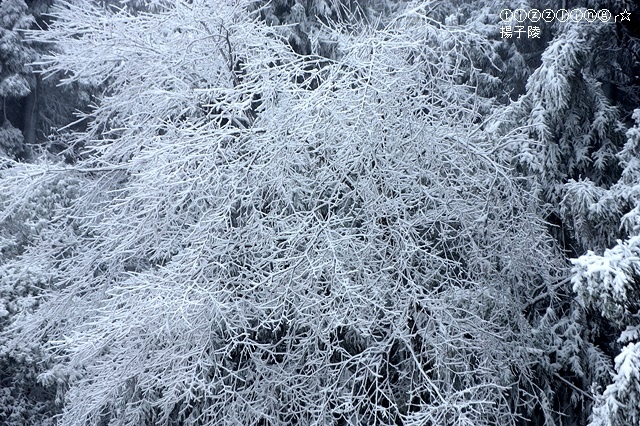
(270, 238)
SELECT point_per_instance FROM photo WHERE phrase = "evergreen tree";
(609, 284)
(16, 79)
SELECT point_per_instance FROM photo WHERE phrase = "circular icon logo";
(505, 14)
(534, 15)
(576, 15)
(590, 15)
(604, 15)
(562, 15)
(548, 15)
(520, 15)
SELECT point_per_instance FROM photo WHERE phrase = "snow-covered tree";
(267, 237)
(609, 283)
(29, 109)
(22, 399)
(27, 209)
(16, 80)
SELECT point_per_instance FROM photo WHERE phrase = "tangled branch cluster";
(269, 238)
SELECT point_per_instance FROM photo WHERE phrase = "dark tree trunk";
(30, 119)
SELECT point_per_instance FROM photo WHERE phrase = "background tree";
(31, 109)
(608, 283)
(16, 80)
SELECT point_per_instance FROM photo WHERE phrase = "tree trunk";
(30, 122)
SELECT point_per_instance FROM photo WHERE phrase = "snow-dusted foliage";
(30, 110)
(619, 404)
(15, 78)
(26, 209)
(609, 284)
(574, 129)
(30, 202)
(264, 237)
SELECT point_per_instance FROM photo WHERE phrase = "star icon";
(625, 16)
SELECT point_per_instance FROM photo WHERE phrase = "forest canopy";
(317, 212)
